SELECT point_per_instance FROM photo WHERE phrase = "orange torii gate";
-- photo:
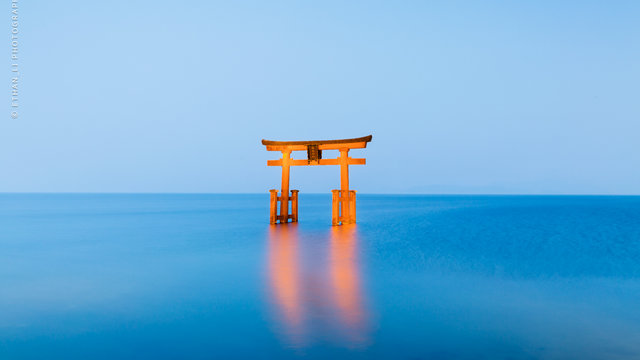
(344, 200)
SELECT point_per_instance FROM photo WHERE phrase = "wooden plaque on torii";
(343, 208)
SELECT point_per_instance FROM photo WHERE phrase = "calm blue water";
(206, 276)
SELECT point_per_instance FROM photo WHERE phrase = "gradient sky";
(460, 96)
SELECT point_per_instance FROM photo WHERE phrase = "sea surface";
(171, 276)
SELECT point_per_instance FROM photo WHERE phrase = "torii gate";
(344, 200)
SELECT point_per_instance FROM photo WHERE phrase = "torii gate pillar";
(284, 202)
(343, 200)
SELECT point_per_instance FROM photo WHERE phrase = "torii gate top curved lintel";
(361, 140)
(344, 200)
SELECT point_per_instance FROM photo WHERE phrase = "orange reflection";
(285, 277)
(316, 286)
(345, 281)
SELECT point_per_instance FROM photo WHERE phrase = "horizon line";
(306, 193)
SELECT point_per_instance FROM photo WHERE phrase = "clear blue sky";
(460, 96)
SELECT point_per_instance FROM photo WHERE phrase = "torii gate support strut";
(344, 200)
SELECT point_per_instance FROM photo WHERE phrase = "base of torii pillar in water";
(343, 209)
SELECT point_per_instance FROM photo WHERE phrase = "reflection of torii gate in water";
(344, 200)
